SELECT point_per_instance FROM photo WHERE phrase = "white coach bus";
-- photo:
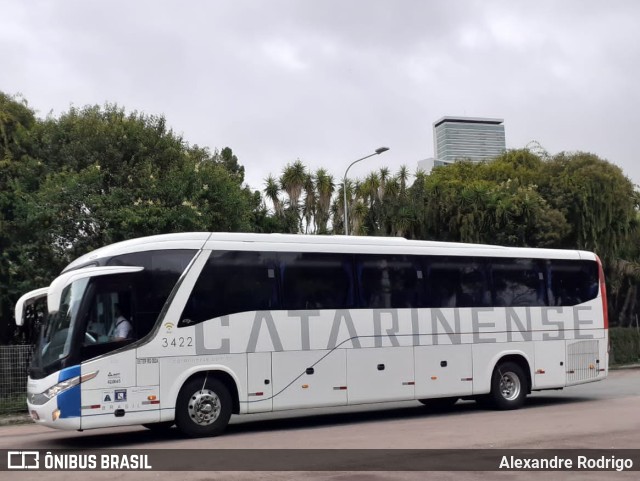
(221, 324)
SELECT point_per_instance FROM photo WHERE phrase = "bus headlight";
(59, 388)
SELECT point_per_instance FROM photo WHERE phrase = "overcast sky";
(329, 81)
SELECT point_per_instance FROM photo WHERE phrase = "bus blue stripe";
(69, 401)
(68, 373)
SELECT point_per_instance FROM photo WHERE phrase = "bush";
(625, 345)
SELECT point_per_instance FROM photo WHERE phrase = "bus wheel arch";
(510, 382)
(224, 377)
(205, 403)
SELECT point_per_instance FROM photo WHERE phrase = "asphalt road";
(597, 415)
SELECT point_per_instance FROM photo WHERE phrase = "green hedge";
(625, 345)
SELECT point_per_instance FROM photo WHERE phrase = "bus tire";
(508, 386)
(161, 427)
(439, 403)
(203, 409)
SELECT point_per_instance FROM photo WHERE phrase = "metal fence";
(14, 364)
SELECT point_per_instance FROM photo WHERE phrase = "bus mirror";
(55, 289)
(25, 301)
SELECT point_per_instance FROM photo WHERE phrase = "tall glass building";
(472, 138)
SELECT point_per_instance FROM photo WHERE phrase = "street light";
(378, 151)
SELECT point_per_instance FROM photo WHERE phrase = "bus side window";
(407, 283)
(458, 282)
(162, 269)
(316, 281)
(443, 286)
(573, 282)
(518, 282)
(388, 281)
(230, 283)
(473, 286)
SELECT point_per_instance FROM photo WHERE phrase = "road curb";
(12, 419)
(624, 366)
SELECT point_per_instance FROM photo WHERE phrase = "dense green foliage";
(569, 201)
(625, 345)
(97, 175)
(94, 176)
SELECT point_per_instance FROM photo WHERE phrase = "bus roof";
(199, 240)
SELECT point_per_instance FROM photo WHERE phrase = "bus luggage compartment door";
(443, 370)
(549, 361)
(380, 374)
(309, 379)
(259, 382)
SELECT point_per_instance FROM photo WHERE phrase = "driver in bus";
(122, 329)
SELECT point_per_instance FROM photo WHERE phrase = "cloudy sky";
(329, 81)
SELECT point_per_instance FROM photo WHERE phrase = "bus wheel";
(439, 403)
(203, 409)
(162, 427)
(508, 386)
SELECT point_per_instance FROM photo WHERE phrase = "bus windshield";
(55, 342)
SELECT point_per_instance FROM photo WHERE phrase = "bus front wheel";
(203, 407)
(508, 386)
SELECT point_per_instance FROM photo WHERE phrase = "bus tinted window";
(457, 282)
(518, 282)
(152, 286)
(572, 282)
(389, 281)
(232, 282)
(316, 281)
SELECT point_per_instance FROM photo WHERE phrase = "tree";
(597, 200)
(98, 175)
(230, 162)
(18, 173)
(143, 180)
(325, 188)
(292, 181)
(272, 191)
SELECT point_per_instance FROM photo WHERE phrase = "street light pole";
(378, 151)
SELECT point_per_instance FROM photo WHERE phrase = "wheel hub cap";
(509, 386)
(204, 407)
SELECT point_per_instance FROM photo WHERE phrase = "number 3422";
(177, 342)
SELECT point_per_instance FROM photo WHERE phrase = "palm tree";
(272, 191)
(369, 193)
(337, 212)
(418, 199)
(371, 185)
(358, 213)
(403, 178)
(310, 204)
(392, 188)
(384, 177)
(292, 182)
(324, 189)
(403, 219)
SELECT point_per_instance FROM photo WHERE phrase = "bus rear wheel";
(508, 386)
(203, 408)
